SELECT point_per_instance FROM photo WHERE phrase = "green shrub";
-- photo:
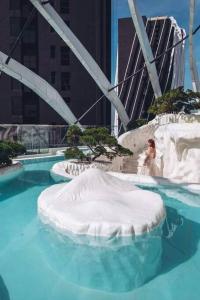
(17, 148)
(74, 153)
(99, 142)
(175, 101)
(73, 135)
(6, 154)
(136, 124)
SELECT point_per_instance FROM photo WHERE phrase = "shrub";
(17, 148)
(134, 124)
(175, 101)
(6, 154)
(74, 152)
(99, 142)
(73, 135)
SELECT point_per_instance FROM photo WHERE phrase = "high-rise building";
(43, 51)
(137, 93)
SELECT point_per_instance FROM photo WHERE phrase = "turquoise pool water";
(38, 264)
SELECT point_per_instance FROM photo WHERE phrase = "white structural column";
(193, 66)
(52, 17)
(146, 48)
(38, 85)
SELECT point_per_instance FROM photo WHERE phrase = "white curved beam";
(193, 66)
(38, 85)
(146, 48)
(52, 17)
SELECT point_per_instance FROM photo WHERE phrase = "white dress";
(148, 166)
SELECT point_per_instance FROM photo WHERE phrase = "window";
(29, 37)
(52, 52)
(64, 6)
(14, 4)
(51, 29)
(30, 61)
(29, 50)
(16, 106)
(65, 55)
(67, 23)
(65, 81)
(15, 85)
(30, 108)
(53, 77)
(67, 100)
(15, 26)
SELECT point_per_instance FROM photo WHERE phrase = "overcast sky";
(179, 9)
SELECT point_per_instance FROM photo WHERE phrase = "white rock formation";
(72, 168)
(98, 204)
(180, 146)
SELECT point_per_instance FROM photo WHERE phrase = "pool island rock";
(98, 204)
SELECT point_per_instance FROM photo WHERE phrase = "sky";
(179, 9)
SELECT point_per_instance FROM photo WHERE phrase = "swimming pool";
(38, 264)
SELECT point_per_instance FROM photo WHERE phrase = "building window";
(67, 100)
(14, 4)
(16, 106)
(65, 55)
(51, 29)
(53, 77)
(29, 37)
(15, 85)
(30, 62)
(15, 26)
(65, 81)
(64, 6)
(67, 23)
(52, 52)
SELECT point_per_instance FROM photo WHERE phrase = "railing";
(37, 138)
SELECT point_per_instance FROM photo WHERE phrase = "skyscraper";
(137, 93)
(43, 51)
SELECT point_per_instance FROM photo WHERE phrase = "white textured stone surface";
(98, 204)
(70, 168)
(180, 147)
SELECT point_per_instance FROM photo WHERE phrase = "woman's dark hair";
(152, 143)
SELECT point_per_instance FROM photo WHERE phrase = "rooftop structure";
(137, 94)
(42, 50)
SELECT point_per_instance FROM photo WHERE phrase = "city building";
(137, 93)
(43, 51)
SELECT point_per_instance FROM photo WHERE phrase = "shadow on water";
(26, 181)
(4, 294)
(180, 236)
(180, 240)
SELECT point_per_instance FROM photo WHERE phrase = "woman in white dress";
(149, 162)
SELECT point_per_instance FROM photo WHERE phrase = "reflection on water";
(120, 266)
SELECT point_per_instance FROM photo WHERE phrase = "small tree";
(17, 148)
(99, 142)
(134, 124)
(6, 155)
(74, 152)
(73, 135)
(175, 101)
